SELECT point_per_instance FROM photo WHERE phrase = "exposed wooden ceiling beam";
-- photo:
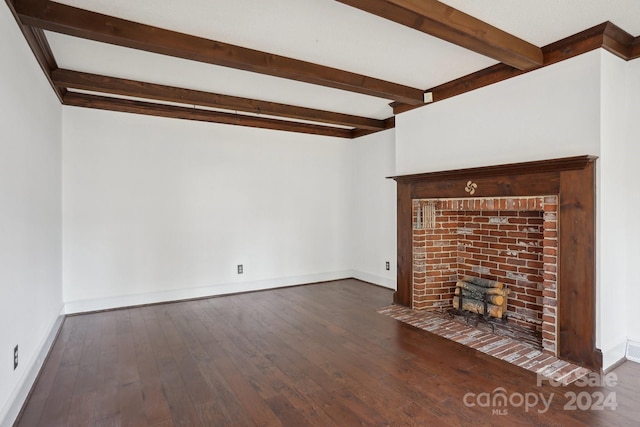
(138, 89)
(606, 35)
(390, 123)
(40, 47)
(171, 111)
(635, 48)
(617, 41)
(72, 21)
(437, 19)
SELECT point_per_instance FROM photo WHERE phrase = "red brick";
(508, 267)
(530, 301)
(527, 270)
(515, 303)
(490, 227)
(433, 237)
(480, 219)
(535, 307)
(442, 255)
(534, 264)
(508, 227)
(517, 221)
(508, 241)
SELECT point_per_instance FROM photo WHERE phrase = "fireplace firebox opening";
(462, 246)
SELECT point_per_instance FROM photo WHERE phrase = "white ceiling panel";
(115, 61)
(324, 32)
(542, 22)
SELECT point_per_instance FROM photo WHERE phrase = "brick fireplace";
(529, 225)
(512, 240)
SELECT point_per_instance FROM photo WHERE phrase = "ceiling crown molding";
(606, 36)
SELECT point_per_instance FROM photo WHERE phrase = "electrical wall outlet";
(240, 269)
(15, 357)
(388, 265)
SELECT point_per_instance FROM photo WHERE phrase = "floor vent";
(633, 351)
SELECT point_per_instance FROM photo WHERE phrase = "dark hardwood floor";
(308, 355)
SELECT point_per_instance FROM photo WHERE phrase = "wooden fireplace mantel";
(573, 180)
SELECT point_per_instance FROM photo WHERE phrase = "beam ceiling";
(97, 83)
(177, 112)
(606, 36)
(429, 16)
(437, 19)
(77, 22)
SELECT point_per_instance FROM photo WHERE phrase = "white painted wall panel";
(632, 199)
(550, 113)
(156, 206)
(30, 215)
(613, 210)
(373, 213)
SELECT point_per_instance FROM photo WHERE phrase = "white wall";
(373, 210)
(632, 199)
(613, 215)
(30, 216)
(549, 113)
(159, 209)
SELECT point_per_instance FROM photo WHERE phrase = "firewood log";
(485, 283)
(493, 299)
(476, 288)
(476, 306)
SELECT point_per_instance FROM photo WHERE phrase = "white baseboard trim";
(376, 280)
(614, 355)
(12, 408)
(83, 306)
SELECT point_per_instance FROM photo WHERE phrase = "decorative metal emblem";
(471, 187)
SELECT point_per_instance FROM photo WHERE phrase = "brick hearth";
(499, 346)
